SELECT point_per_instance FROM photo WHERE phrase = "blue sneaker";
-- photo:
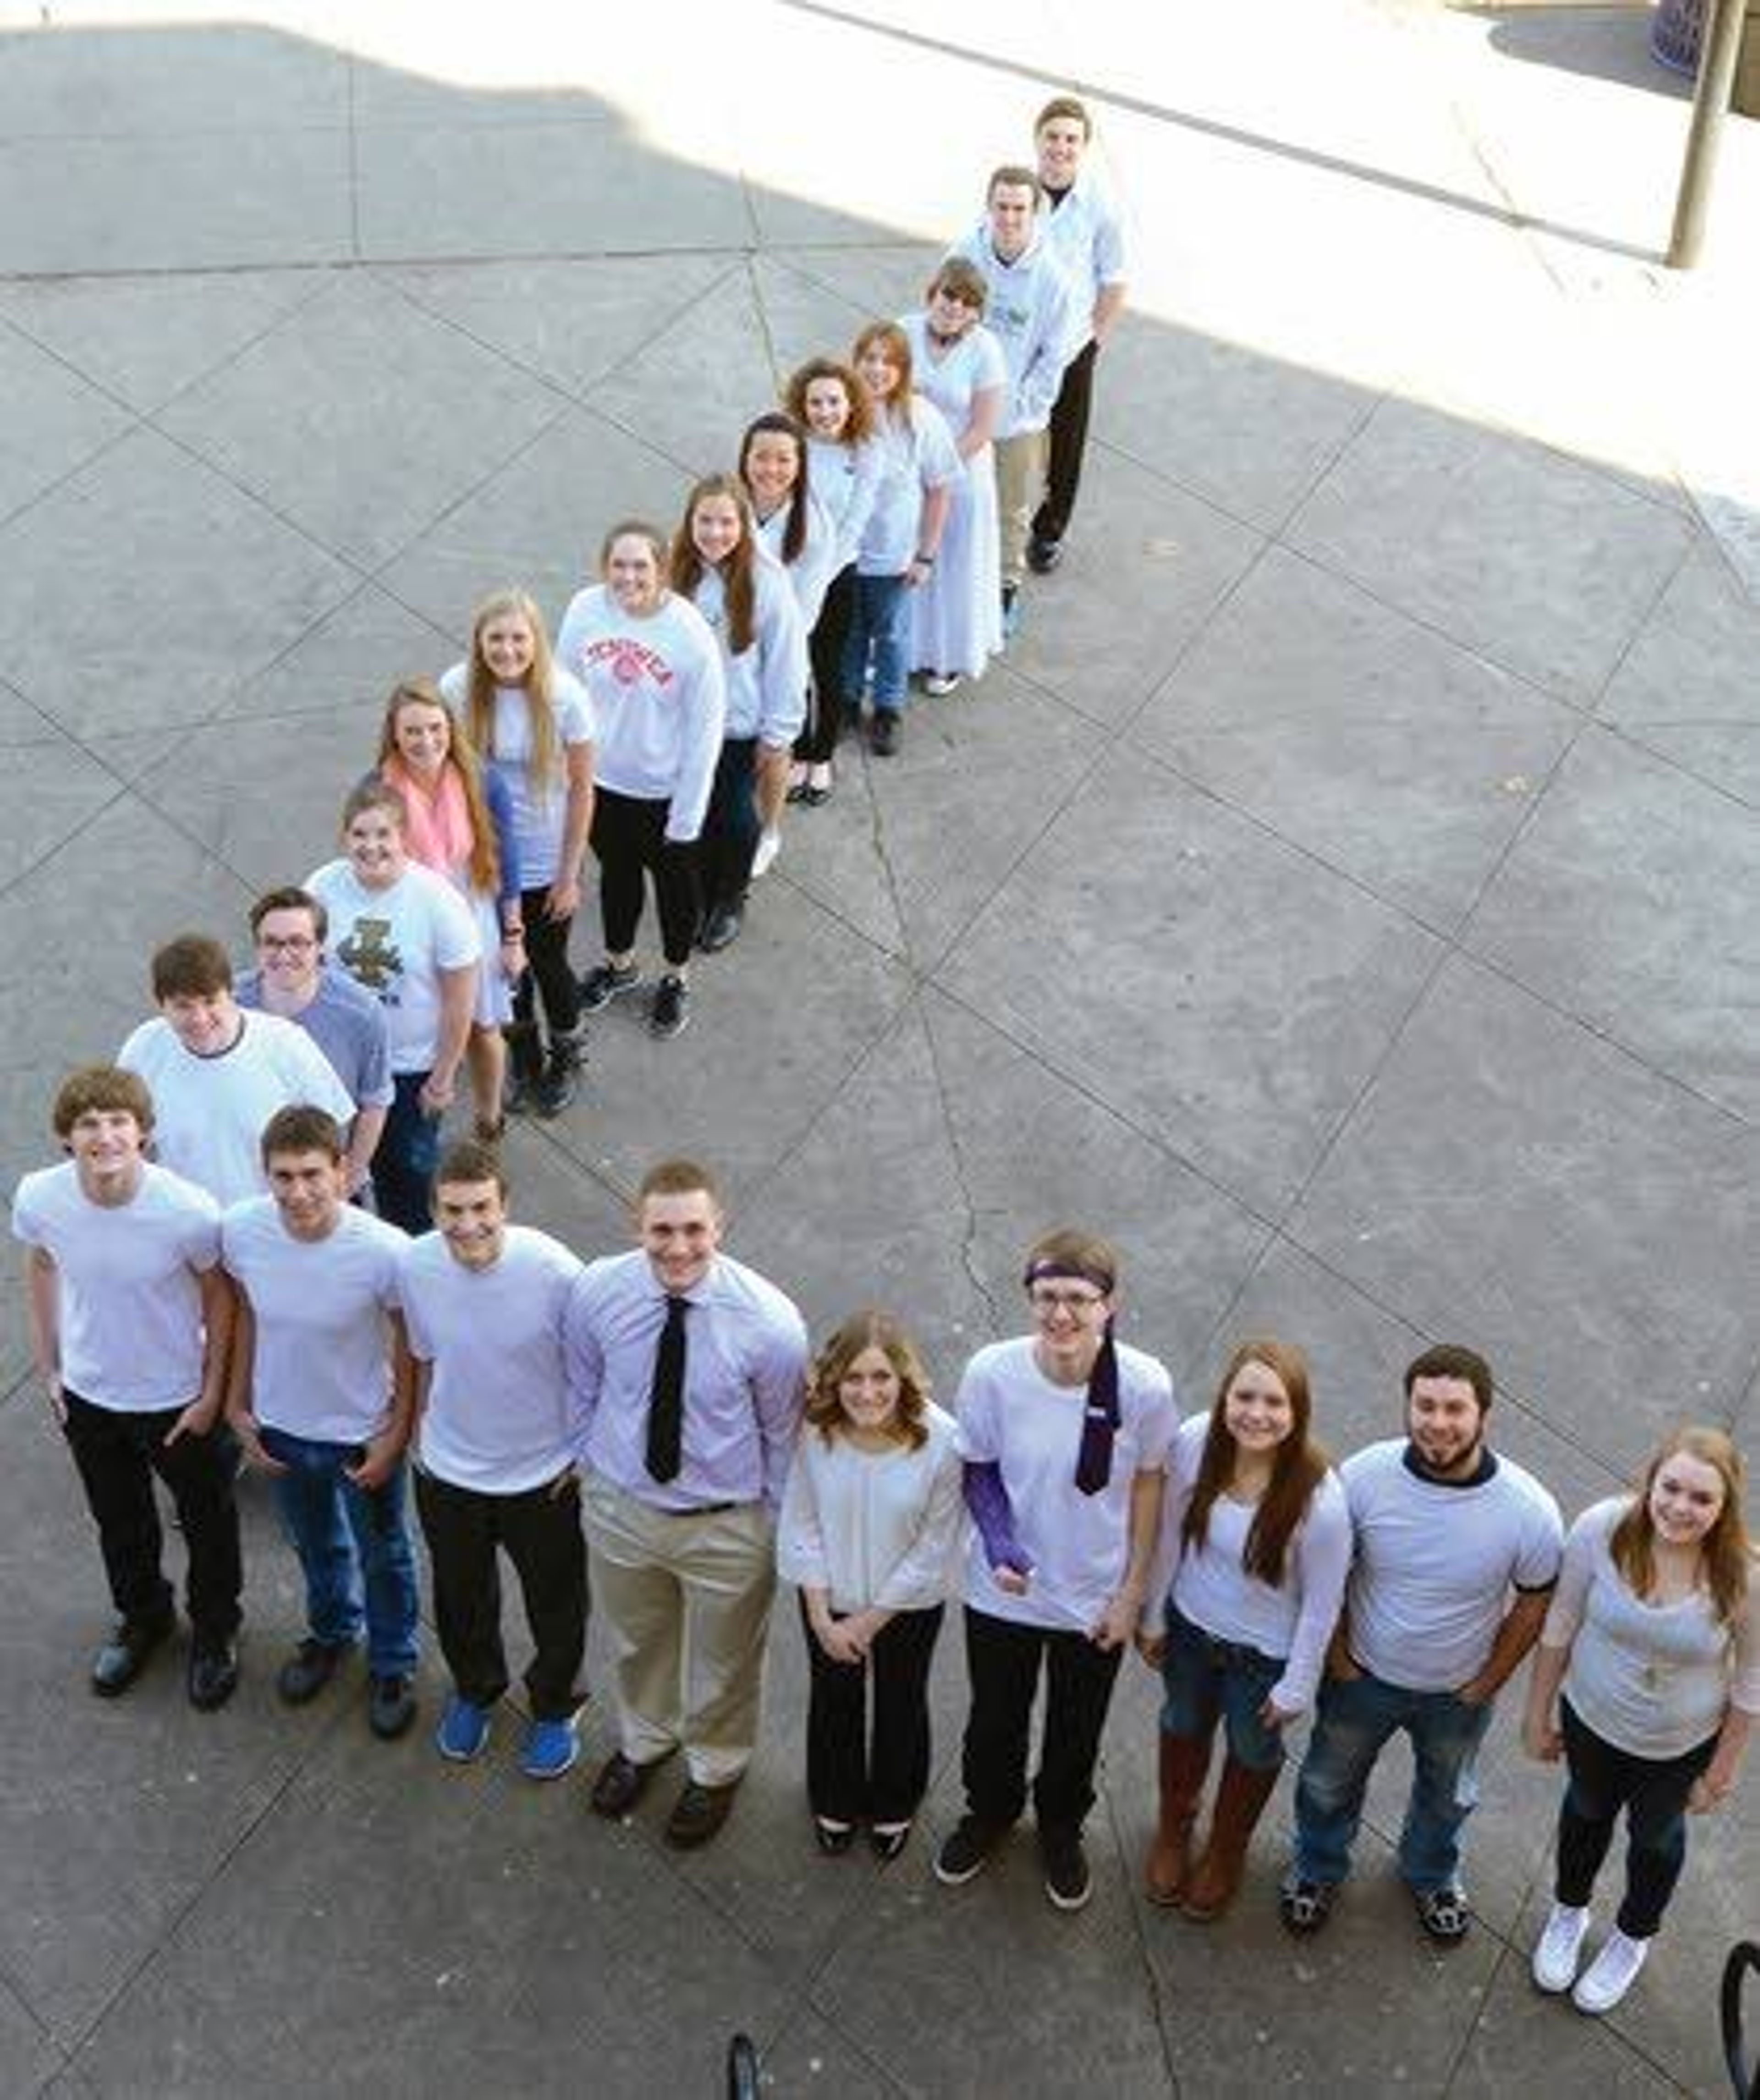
(463, 1731)
(551, 1749)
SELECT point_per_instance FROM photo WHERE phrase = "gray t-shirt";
(348, 1025)
(1435, 1562)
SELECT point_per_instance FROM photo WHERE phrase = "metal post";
(1720, 44)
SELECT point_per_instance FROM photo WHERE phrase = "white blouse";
(880, 1528)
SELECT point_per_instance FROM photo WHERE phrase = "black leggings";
(549, 977)
(630, 839)
(1068, 440)
(825, 648)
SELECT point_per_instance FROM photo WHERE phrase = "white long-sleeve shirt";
(1030, 313)
(845, 480)
(659, 698)
(810, 572)
(1085, 231)
(766, 682)
(879, 1528)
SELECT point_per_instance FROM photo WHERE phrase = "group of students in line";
(657, 1415)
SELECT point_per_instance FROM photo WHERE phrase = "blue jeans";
(354, 1545)
(408, 1152)
(878, 623)
(1355, 1717)
(1208, 1680)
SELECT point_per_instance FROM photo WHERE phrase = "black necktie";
(666, 1396)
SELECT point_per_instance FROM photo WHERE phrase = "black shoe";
(305, 1674)
(1043, 556)
(604, 982)
(124, 1656)
(833, 1838)
(672, 1008)
(620, 1784)
(965, 1850)
(557, 1087)
(516, 1096)
(883, 738)
(1067, 1881)
(888, 1839)
(213, 1673)
(720, 927)
(699, 1812)
(390, 1707)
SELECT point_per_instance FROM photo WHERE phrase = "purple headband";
(1099, 1414)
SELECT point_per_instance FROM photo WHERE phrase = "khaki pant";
(686, 1601)
(1020, 484)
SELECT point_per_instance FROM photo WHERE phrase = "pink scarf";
(438, 832)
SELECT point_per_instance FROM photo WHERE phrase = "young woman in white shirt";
(903, 541)
(830, 404)
(459, 823)
(719, 565)
(957, 616)
(795, 530)
(533, 723)
(869, 1527)
(652, 669)
(1256, 1541)
(1647, 1679)
(406, 935)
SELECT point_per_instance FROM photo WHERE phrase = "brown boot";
(1184, 1760)
(1240, 1798)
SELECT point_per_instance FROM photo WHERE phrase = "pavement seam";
(1159, 2009)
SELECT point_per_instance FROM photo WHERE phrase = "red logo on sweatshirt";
(628, 661)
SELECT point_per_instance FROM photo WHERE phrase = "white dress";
(957, 616)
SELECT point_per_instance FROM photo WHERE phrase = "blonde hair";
(544, 757)
(1728, 1550)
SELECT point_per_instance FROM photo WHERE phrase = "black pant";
(549, 977)
(630, 839)
(540, 1534)
(730, 825)
(847, 1777)
(1069, 441)
(1653, 1792)
(1003, 1661)
(825, 648)
(117, 1455)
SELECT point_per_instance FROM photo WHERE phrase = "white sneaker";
(1559, 1947)
(770, 845)
(1610, 1975)
(939, 683)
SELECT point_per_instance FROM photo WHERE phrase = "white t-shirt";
(915, 454)
(1435, 1562)
(321, 1367)
(1079, 1545)
(1653, 1679)
(766, 682)
(539, 808)
(128, 1303)
(846, 479)
(659, 697)
(874, 1528)
(810, 572)
(1085, 231)
(395, 942)
(1292, 1620)
(209, 1111)
(497, 1417)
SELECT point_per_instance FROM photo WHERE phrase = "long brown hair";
(1728, 1553)
(544, 756)
(739, 572)
(893, 341)
(1297, 1470)
(870, 1329)
(859, 425)
(461, 754)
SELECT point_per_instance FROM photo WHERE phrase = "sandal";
(1445, 1914)
(1304, 1906)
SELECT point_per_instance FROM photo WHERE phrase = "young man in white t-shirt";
(1066, 1434)
(320, 1396)
(1457, 1552)
(484, 1301)
(130, 1320)
(217, 1073)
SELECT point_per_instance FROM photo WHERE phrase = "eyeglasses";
(1077, 1303)
(292, 944)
